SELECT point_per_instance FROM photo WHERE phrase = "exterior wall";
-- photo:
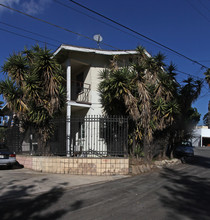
(209, 115)
(196, 140)
(204, 132)
(80, 166)
(92, 77)
(91, 64)
(96, 107)
(200, 133)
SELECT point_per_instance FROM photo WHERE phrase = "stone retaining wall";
(81, 166)
(89, 166)
(143, 168)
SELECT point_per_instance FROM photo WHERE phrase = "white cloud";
(31, 7)
(34, 6)
(8, 3)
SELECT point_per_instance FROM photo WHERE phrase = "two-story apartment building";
(83, 67)
(82, 128)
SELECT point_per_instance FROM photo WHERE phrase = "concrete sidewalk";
(25, 182)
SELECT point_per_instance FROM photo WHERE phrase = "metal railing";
(10, 135)
(80, 91)
(92, 136)
(96, 136)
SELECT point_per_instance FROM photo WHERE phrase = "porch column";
(68, 110)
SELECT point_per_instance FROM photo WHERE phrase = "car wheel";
(183, 159)
(16, 165)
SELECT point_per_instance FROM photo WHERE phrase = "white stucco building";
(83, 67)
(201, 136)
(80, 128)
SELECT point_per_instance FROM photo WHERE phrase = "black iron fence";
(10, 135)
(96, 136)
(92, 136)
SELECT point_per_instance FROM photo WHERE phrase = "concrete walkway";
(25, 182)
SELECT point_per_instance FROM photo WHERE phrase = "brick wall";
(81, 166)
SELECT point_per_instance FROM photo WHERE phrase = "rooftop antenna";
(98, 38)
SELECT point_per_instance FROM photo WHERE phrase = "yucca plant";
(34, 89)
(146, 91)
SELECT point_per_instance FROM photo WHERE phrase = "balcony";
(80, 92)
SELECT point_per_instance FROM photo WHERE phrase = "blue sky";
(182, 25)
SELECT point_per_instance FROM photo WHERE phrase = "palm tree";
(146, 90)
(189, 116)
(207, 78)
(34, 88)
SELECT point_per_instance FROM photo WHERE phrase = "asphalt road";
(181, 192)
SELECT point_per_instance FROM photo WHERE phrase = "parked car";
(184, 149)
(7, 157)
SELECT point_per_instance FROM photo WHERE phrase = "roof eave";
(96, 51)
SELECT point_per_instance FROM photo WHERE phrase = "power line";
(11, 32)
(57, 26)
(94, 18)
(188, 74)
(204, 6)
(52, 38)
(198, 11)
(2, 29)
(31, 32)
(20, 35)
(136, 32)
(68, 30)
(112, 26)
(54, 25)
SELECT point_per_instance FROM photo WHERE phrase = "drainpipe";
(201, 141)
(68, 110)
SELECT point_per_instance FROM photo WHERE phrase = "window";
(80, 80)
(81, 130)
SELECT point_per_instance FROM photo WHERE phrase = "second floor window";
(80, 81)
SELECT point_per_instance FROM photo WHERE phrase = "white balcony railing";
(80, 91)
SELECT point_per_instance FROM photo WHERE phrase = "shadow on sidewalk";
(186, 195)
(16, 203)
